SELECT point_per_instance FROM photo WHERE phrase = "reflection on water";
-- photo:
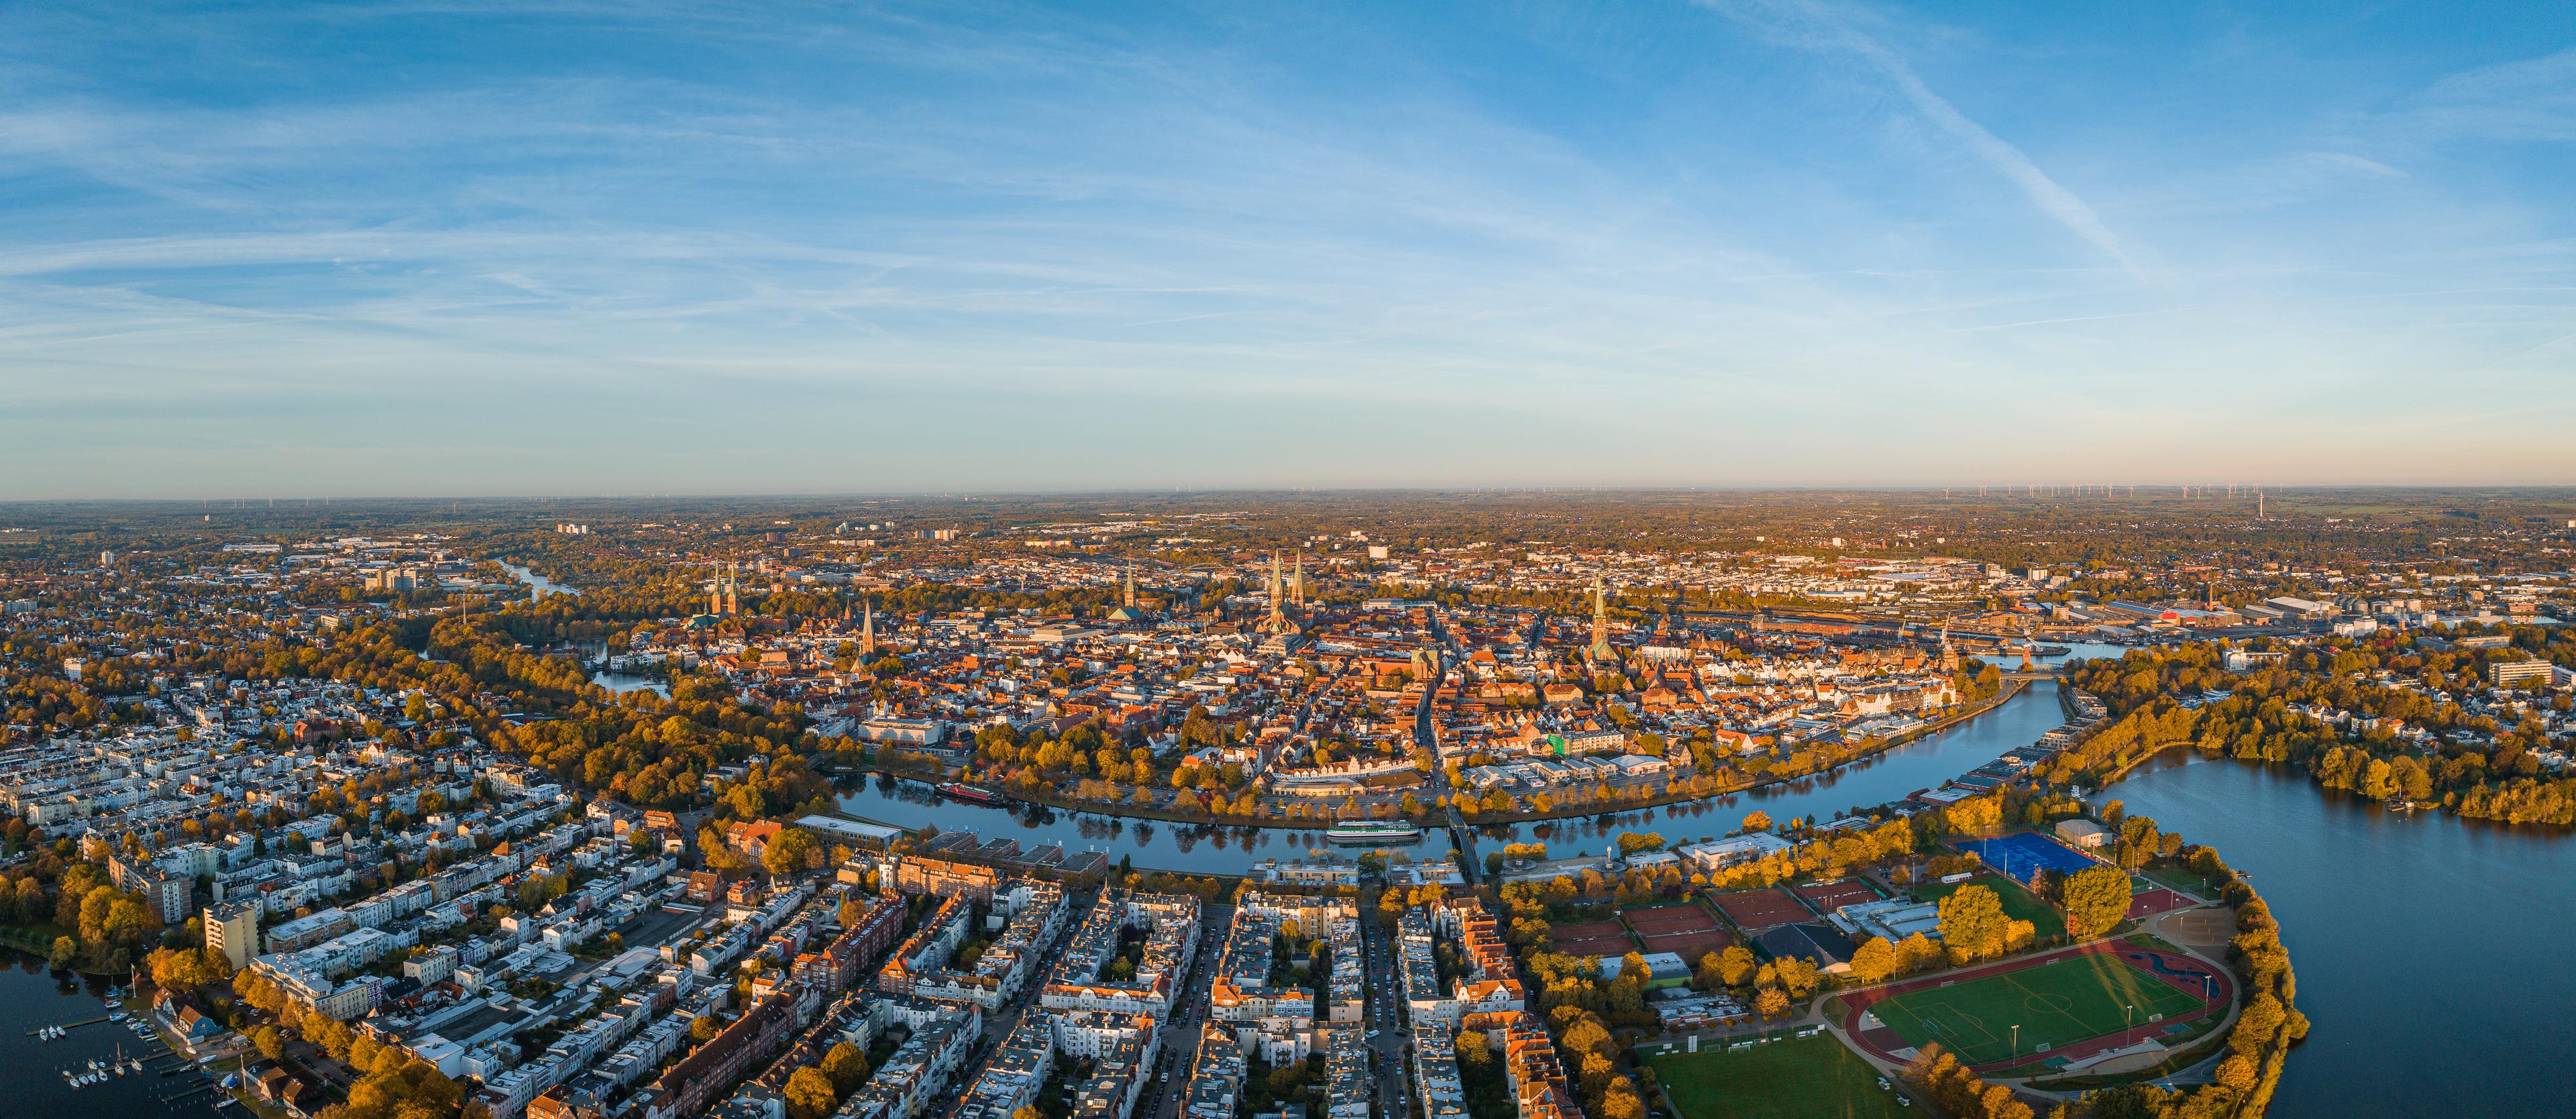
(31, 995)
(1230, 849)
(538, 585)
(2424, 944)
(1892, 775)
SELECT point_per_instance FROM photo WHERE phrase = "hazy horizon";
(306, 249)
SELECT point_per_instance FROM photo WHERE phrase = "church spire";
(868, 631)
(1277, 622)
(1600, 650)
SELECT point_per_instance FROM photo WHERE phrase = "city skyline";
(313, 250)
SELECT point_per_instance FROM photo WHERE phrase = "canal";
(2425, 945)
(1212, 849)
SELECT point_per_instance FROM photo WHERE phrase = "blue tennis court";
(2022, 855)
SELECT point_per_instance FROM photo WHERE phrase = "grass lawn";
(2054, 1004)
(2178, 879)
(2019, 903)
(1808, 1078)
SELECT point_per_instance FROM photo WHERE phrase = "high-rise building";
(232, 930)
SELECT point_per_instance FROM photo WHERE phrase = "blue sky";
(459, 248)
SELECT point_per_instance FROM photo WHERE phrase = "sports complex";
(2022, 855)
(2065, 1009)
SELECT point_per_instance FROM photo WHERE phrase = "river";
(1207, 849)
(2425, 945)
(538, 585)
(31, 1070)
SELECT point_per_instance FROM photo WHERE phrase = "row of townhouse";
(915, 1076)
(1078, 979)
(926, 952)
(1036, 912)
(1215, 1086)
(1337, 922)
(1017, 1070)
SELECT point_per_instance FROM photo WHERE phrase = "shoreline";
(2013, 687)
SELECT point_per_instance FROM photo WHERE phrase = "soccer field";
(2055, 1004)
(1809, 1078)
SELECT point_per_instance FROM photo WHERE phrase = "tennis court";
(1830, 896)
(1592, 938)
(2055, 1004)
(2022, 855)
(2154, 900)
(1690, 946)
(1687, 930)
(1654, 919)
(1756, 910)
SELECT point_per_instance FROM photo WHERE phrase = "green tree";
(64, 949)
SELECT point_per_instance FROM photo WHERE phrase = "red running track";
(1883, 1042)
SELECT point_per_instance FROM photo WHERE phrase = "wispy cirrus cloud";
(1829, 29)
(707, 245)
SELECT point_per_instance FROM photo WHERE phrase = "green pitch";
(2019, 903)
(2055, 1004)
(1810, 1078)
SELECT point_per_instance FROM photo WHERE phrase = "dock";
(73, 1025)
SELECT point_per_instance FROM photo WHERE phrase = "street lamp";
(2016, 1041)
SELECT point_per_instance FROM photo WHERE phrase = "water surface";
(2430, 951)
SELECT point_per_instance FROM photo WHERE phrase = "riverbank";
(2012, 688)
(1430, 818)
(2358, 891)
(38, 941)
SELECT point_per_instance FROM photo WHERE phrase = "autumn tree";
(787, 851)
(809, 1094)
(1972, 923)
(1735, 966)
(1873, 961)
(847, 1066)
(2096, 899)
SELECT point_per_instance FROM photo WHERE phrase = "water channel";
(1206, 849)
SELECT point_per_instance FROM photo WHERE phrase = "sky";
(561, 247)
